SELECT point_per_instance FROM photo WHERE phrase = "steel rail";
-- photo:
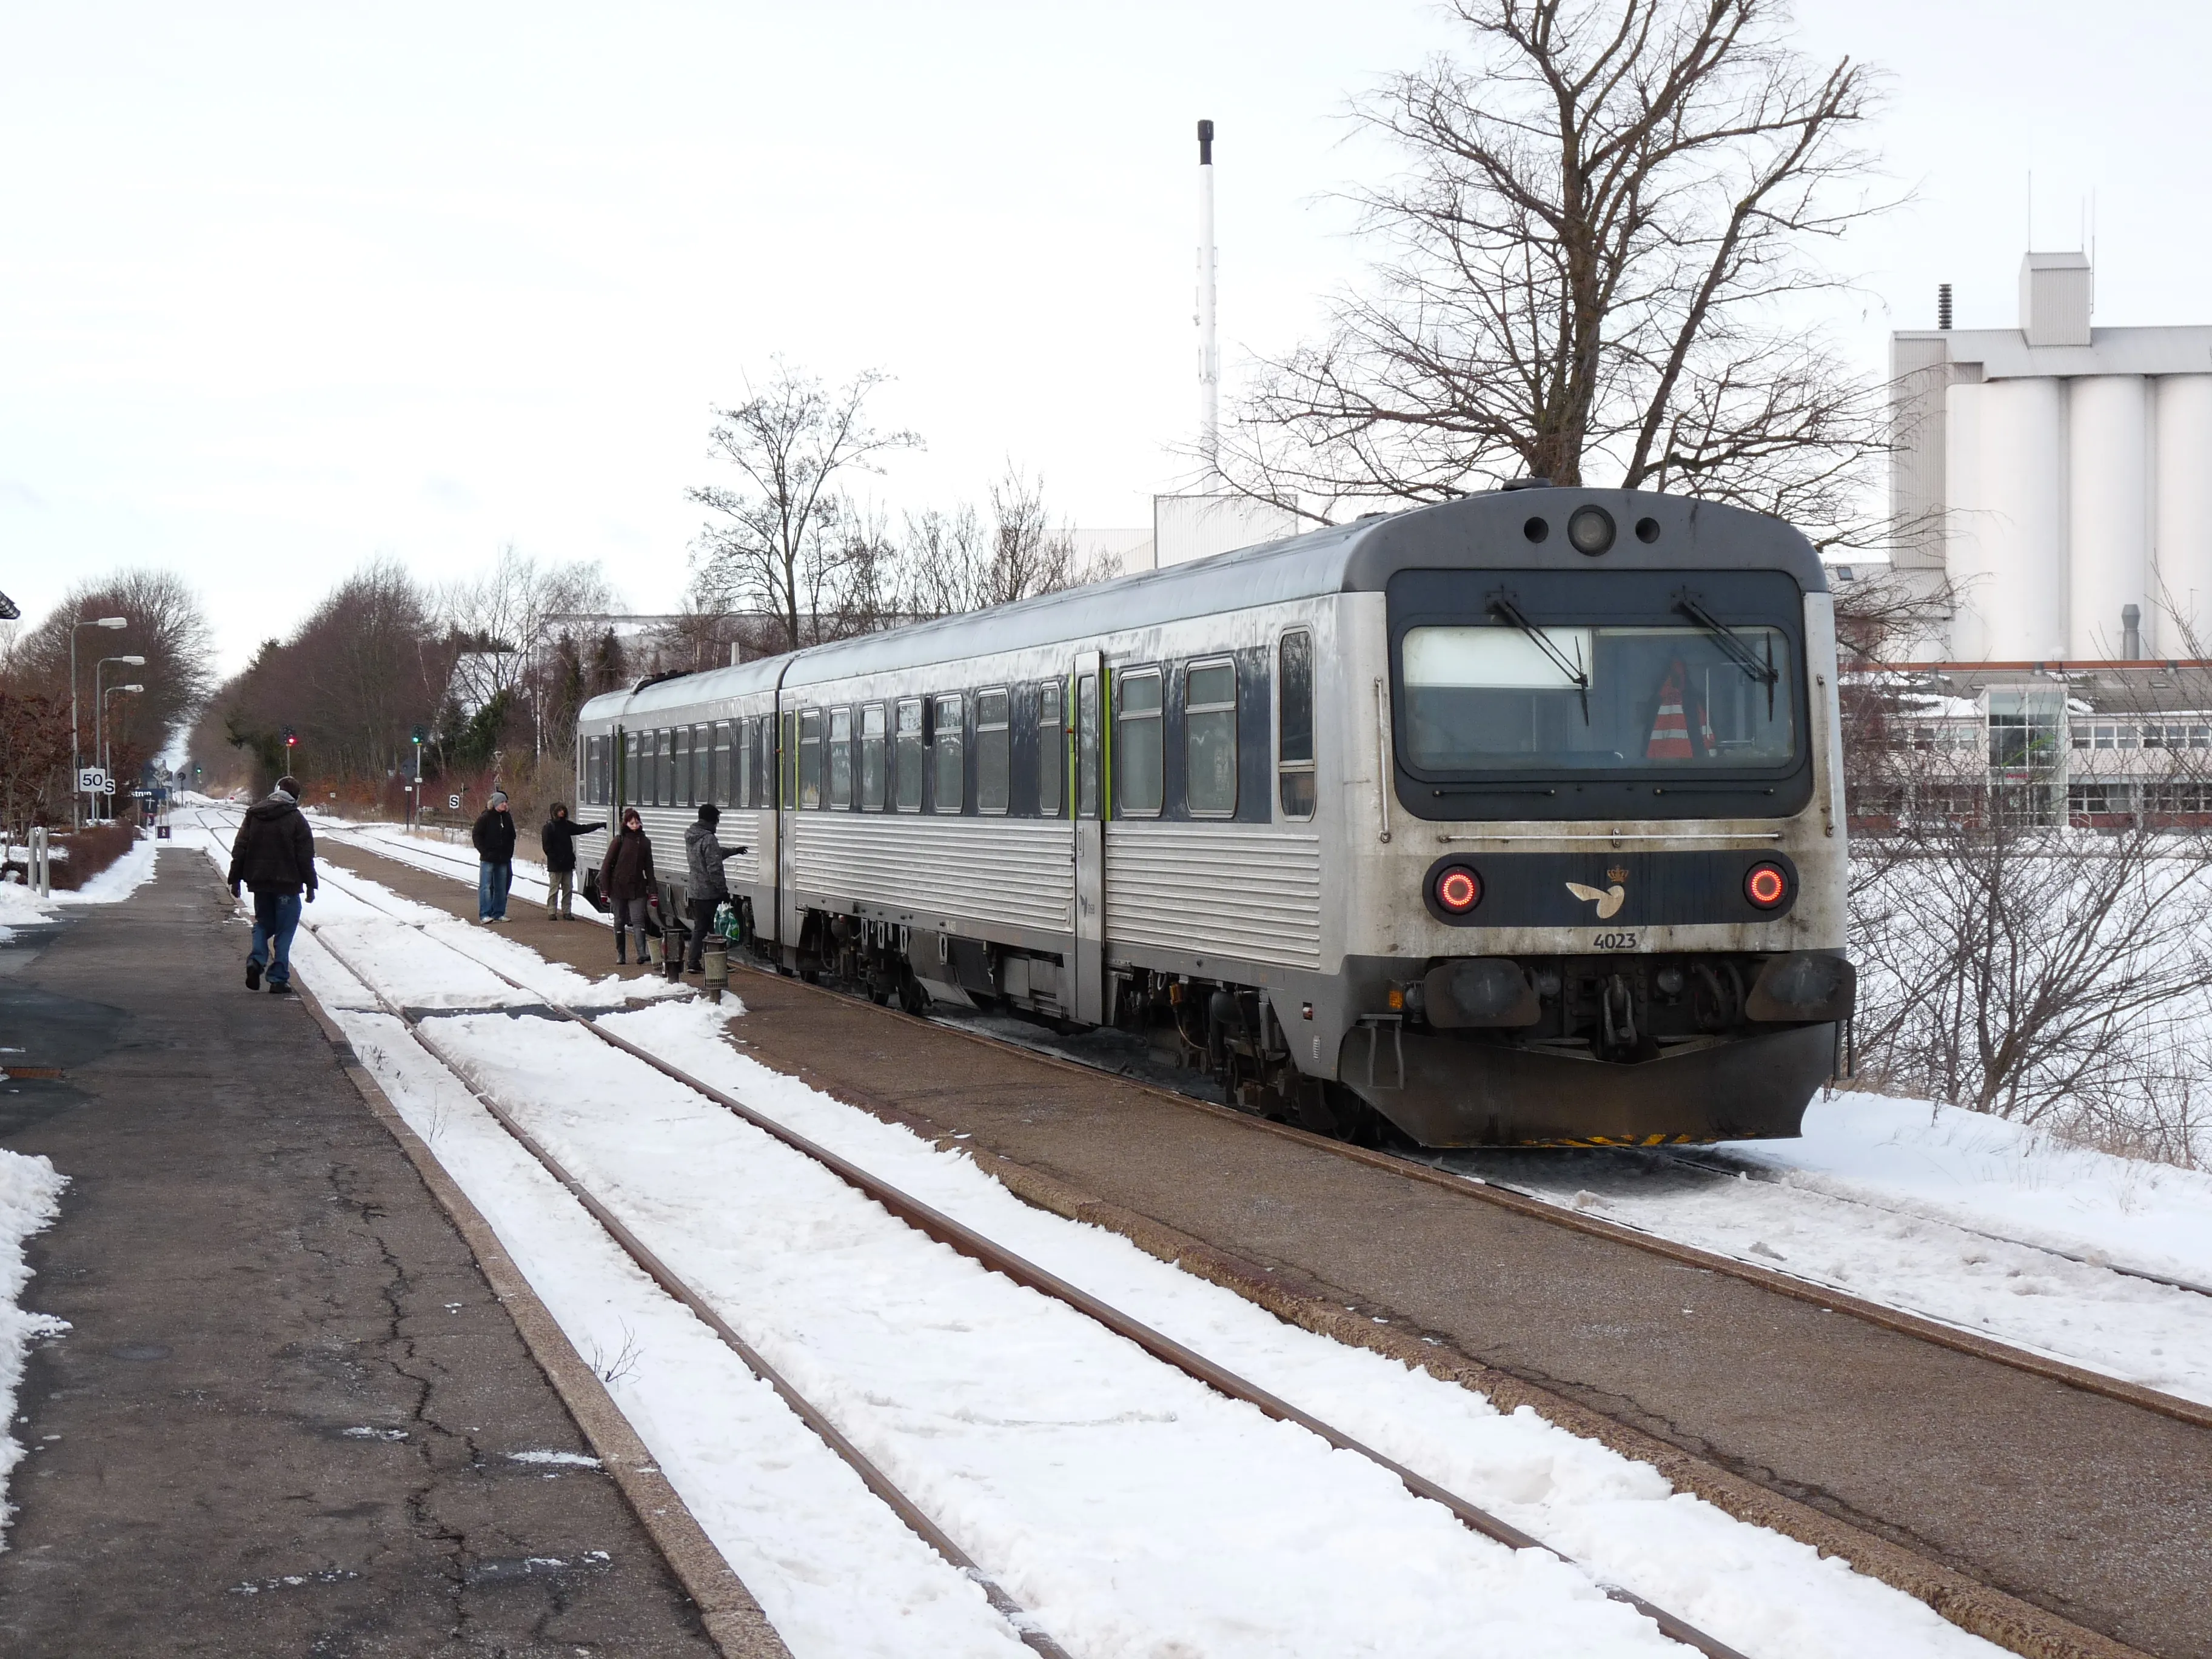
(1023, 1623)
(1731, 1170)
(1904, 1322)
(957, 1237)
(1921, 1327)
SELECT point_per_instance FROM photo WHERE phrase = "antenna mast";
(1209, 349)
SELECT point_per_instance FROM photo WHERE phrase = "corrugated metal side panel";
(742, 827)
(1006, 870)
(1249, 893)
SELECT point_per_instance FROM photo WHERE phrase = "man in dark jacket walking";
(274, 855)
(558, 838)
(708, 885)
(494, 839)
(627, 874)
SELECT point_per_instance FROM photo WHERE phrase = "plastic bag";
(726, 922)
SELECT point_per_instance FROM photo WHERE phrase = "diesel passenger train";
(1514, 820)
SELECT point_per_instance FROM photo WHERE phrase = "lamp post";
(415, 799)
(114, 692)
(100, 705)
(76, 763)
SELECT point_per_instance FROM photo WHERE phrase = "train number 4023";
(1613, 942)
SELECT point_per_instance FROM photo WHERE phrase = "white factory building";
(2061, 475)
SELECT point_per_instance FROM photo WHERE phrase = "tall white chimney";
(1209, 349)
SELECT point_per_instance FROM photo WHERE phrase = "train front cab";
(1616, 891)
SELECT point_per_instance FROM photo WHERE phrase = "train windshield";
(1552, 684)
(1656, 697)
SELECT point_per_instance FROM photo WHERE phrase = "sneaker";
(280, 987)
(253, 975)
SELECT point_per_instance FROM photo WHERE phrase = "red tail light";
(1766, 885)
(1459, 890)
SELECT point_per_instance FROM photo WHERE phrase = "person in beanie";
(709, 887)
(627, 874)
(494, 839)
(274, 855)
(558, 838)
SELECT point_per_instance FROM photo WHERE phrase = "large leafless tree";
(1606, 210)
(785, 539)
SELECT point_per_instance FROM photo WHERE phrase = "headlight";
(1591, 530)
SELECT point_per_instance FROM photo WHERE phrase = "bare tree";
(784, 546)
(166, 626)
(1605, 206)
(2027, 970)
(953, 562)
(505, 621)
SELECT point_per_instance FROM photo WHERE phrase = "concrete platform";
(289, 1416)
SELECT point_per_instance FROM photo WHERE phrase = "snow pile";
(117, 882)
(21, 908)
(30, 1199)
(2002, 1177)
(1969, 1220)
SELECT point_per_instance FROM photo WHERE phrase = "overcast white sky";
(282, 288)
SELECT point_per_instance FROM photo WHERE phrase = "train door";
(786, 800)
(1087, 727)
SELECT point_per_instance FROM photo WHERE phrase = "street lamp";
(76, 764)
(114, 692)
(99, 703)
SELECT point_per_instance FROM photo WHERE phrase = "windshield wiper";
(1502, 603)
(1734, 644)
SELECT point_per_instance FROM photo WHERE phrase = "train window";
(841, 760)
(718, 774)
(1052, 744)
(871, 757)
(994, 752)
(1294, 724)
(626, 785)
(809, 758)
(907, 753)
(1086, 744)
(764, 760)
(656, 784)
(680, 783)
(1209, 739)
(948, 784)
(740, 776)
(702, 764)
(787, 765)
(594, 758)
(1139, 751)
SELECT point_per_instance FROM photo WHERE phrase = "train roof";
(1484, 531)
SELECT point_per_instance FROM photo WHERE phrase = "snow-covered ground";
(1961, 1217)
(1134, 1511)
(30, 1198)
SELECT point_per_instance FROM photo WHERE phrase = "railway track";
(1531, 1202)
(1910, 1565)
(947, 1230)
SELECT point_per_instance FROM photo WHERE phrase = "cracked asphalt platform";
(289, 1413)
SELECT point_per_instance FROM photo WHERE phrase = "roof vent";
(1525, 483)
(2054, 298)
